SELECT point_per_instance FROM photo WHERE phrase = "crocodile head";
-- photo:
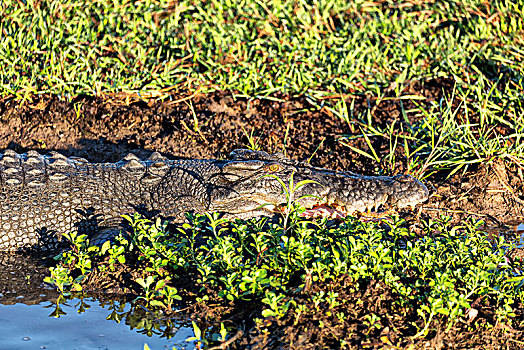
(250, 184)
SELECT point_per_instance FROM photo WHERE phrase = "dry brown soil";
(208, 126)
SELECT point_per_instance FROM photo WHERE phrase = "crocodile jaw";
(328, 194)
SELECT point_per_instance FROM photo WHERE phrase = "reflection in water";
(38, 327)
(34, 316)
(21, 280)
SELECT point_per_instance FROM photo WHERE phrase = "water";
(31, 318)
(36, 327)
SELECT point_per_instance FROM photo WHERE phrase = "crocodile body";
(43, 196)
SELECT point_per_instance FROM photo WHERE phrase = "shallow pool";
(37, 327)
(30, 317)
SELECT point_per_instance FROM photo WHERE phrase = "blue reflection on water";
(31, 327)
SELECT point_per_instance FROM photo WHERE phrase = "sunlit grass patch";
(156, 48)
(469, 125)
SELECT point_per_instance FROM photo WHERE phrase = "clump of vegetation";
(439, 278)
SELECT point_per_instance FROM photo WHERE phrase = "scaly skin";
(44, 196)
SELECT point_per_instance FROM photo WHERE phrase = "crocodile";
(43, 196)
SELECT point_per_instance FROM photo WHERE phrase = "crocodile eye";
(274, 167)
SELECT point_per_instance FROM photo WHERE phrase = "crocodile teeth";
(270, 207)
(337, 215)
(324, 211)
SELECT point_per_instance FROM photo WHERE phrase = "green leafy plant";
(259, 261)
(63, 281)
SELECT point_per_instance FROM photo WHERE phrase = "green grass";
(463, 129)
(253, 48)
